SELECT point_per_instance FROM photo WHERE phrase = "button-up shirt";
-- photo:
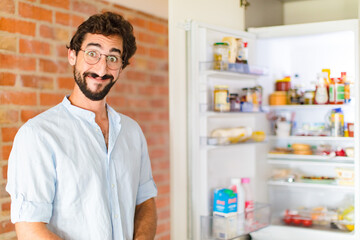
(62, 173)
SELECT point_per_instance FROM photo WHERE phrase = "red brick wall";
(35, 75)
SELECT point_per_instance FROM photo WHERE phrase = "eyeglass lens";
(92, 57)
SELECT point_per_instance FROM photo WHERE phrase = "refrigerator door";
(212, 166)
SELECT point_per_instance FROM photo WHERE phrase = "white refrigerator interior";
(274, 52)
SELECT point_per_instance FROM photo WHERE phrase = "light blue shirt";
(61, 173)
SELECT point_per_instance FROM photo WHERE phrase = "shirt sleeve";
(31, 177)
(147, 188)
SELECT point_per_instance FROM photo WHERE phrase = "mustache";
(94, 75)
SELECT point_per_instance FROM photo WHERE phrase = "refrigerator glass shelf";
(208, 110)
(310, 185)
(235, 69)
(308, 107)
(312, 138)
(236, 225)
(215, 142)
(309, 160)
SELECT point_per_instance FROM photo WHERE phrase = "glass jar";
(234, 102)
(309, 97)
(221, 98)
(221, 52)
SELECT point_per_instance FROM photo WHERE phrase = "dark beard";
(94, 96)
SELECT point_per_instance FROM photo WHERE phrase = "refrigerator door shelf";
(236, 69)
(312, 138)
(239, 224)
(310, 185)
(309, 159)
(308, 107)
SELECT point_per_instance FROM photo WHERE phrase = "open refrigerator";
(304, 50)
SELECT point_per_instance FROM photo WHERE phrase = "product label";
(221, 101)
(340, 93)
(331, 93)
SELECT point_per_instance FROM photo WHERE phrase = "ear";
(72, 57)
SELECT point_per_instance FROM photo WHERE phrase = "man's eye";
(113, 59)
(92, 54)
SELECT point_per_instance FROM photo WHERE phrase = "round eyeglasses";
(92, 57)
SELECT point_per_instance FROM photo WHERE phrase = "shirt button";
(115, 216)
(112, 185)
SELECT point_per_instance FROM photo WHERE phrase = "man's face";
(95, 79)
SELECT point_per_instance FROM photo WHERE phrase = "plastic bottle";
(346, 87)
(321, 92)
(238, 189)
(339, 91)
(332, 91)
(249, 199)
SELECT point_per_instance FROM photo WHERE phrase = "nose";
(101, 66)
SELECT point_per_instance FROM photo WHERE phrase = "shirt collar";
(89, 115)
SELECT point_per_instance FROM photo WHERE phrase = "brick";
(17, 62)
(160, 80)
(159, 103)
(8, 133)
(25, 115)
(137, 76)
(122, 87)
(84, 7)
(163, 213)
(7, 6)
(159, 128)
(147, 90)
(141, 50)
(160, 178)
(157, 153)
(62, 35)
(76, 20)
(38, 82)
(18, 98)
(117, 101)
(138, 22)
(158, 28)
(47, 32)
(163, 189)
(50, 99)
(62, 51)
(158, 53)
(6, 226)
(51, 66)
(66, 82)
(62, 18)
(17, 26)
(30, 11)
(7, 79)
(5, 206)
(165, 236)
(160, 165)
(162, 201)
(163, 227)
(4, 171)
(8, 116)
(34, 47)
(145, 37)
(147, 116)
(57, 3)
(8, 43)
(6, 149)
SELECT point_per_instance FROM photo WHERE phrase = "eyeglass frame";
(100, 54)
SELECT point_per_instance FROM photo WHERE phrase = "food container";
(282, 85)
(221, 98)
(221, 55)
(351, 129)
(277, 98)
(309, 97)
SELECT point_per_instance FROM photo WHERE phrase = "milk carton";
(225, 214)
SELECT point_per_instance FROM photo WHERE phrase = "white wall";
(319, 10)
(225, 13)
(157, 8)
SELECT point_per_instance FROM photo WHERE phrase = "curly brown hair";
(107, 24)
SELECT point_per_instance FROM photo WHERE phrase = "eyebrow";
(99, 46)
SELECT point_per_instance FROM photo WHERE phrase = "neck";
(77, 98)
